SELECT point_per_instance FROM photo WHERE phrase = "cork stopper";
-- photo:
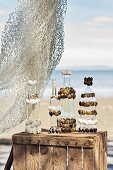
(66, 72)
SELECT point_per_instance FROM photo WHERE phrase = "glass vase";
(54, 108)
(87, 112)
(66, 96)
(33, 122)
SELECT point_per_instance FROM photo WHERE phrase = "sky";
(88, 31)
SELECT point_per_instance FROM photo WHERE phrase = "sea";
(102, 81)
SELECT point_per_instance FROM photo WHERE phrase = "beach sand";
(105, 117)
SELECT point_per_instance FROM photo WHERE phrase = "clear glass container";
(87, 112)
(66, 96)
(54, 108)
(33, 122)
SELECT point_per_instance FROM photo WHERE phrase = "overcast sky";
(88, 31)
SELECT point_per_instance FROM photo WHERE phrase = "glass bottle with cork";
(66, 96)
(87, 112)
(54, 108)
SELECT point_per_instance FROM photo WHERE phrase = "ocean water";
(102, 81)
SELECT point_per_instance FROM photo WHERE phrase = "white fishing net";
(32, 45)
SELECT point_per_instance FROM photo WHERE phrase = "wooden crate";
(75, 151)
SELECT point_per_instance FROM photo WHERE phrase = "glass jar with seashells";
(66, 96)
(33, 123)
(54, 108)
(87, 120)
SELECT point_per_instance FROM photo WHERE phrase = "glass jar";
(54, 108)
(33, 123)
(66, 96)
(87, 112)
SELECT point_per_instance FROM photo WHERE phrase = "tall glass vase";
(33, 123)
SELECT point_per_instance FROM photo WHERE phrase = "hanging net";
(32, 45)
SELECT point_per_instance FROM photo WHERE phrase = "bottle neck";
(66, 80)
(88, 89)
(54, 89)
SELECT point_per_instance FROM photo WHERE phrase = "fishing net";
(32, 46)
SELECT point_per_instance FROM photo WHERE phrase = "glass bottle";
(54, 108)
(87, 120)
(66, 96)
(33, 123)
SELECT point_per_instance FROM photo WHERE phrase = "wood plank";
(105, 150)
(60, 158)
(46, 158)
(19, 161)
(55, 140)
(24, 136)
(97, 152)
(101, 156)
(75, 158)
(88, 159)
(100, 151)
(32, 157)
(39, 157)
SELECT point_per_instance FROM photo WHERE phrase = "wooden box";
(75, 151)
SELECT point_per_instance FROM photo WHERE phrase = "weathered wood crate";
(73, 151)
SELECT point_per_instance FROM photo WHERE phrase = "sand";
(105, 117)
